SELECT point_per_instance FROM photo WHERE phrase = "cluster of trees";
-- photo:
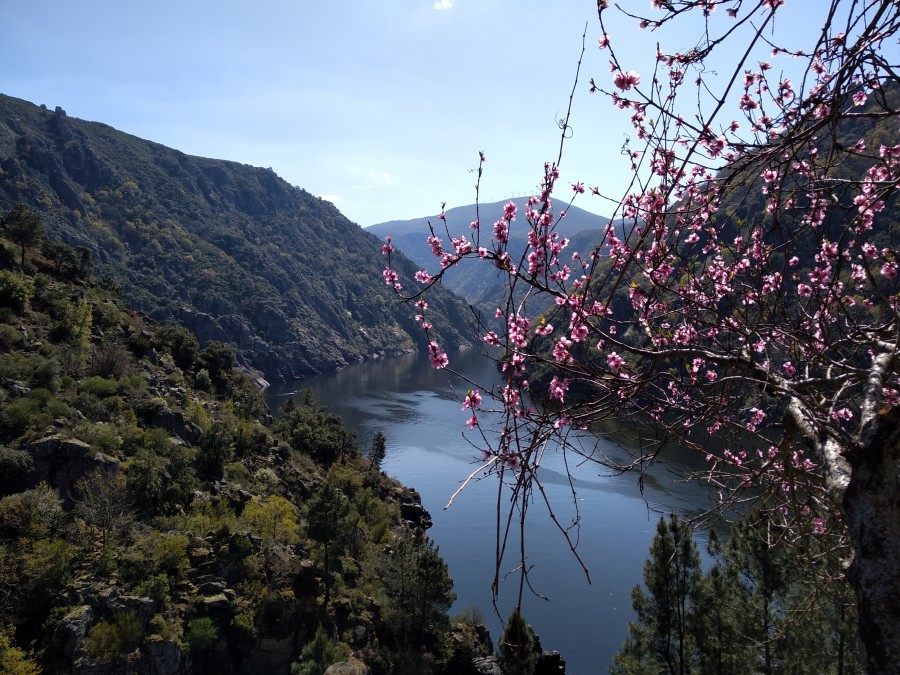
(203, 523)
(762, 607)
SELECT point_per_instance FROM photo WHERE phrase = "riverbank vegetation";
(155, 518)
(762, 607)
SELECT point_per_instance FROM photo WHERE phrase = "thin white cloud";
(334, 199)
(443, 4)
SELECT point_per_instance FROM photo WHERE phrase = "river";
(419, 412)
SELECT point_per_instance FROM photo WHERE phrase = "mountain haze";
(231, 251)
(480, 284)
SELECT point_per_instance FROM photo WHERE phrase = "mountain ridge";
(478, 283)
(230, 251)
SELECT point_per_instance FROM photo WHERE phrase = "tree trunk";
(871, 505)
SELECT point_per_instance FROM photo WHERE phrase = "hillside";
(155, 519)
(231, 251)
(480, 284)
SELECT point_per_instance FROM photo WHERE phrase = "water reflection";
(417, 409)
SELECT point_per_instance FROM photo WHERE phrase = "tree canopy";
(24, 227)
(744, 299)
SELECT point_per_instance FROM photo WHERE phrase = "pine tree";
(327, 523)
(760, 609)
(23, 227)
(518, 653)
(661, 640)
(378, 450)
(418, 591)
(789, 620)
(715, 626)
(762, 573)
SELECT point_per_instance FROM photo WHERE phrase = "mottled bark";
(871, 506)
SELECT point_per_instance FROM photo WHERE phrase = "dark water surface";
(418, 410)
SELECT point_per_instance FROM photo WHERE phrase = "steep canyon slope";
(231, 251)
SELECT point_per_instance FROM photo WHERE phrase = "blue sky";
(380, 106)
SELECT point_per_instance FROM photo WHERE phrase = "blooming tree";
(744, 299)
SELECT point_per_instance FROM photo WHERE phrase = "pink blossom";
(614, 361)
(472, 422)
(789, 369)
(501, 231)
(889, 269)
(492, 339)
(747, 103)
(859, 98)
(423, 277)
(757, 417)
(561, 350)
(390, 276)
(579, 331)
(472, 400)
(562, 421)
(603, 42)
(626, 81)
(558, 388)
(804, 290)
(438, 358)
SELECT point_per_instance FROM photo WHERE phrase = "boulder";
(271, 656)
(550, 663)
(164, 656)
(70, 631)
(486, 665)
(177, 424)
(411, 509)
(61, 462)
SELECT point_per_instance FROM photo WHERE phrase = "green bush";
(182, 345)
(156, 587)
(14, 660)
(201, 634)
(11, 337)
(46, 374)
(109, 641)
(14, 464)
(98, 386)
(318, 654)
(16, 291)
(158, 553)
(216, 447)
(159, 625)
(100, 436)
(275, 613)
(25, 413)
(202, 380)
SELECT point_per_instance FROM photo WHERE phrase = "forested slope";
(231, 251)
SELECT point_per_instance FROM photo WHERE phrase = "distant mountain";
(479, 284)
(231, 251)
